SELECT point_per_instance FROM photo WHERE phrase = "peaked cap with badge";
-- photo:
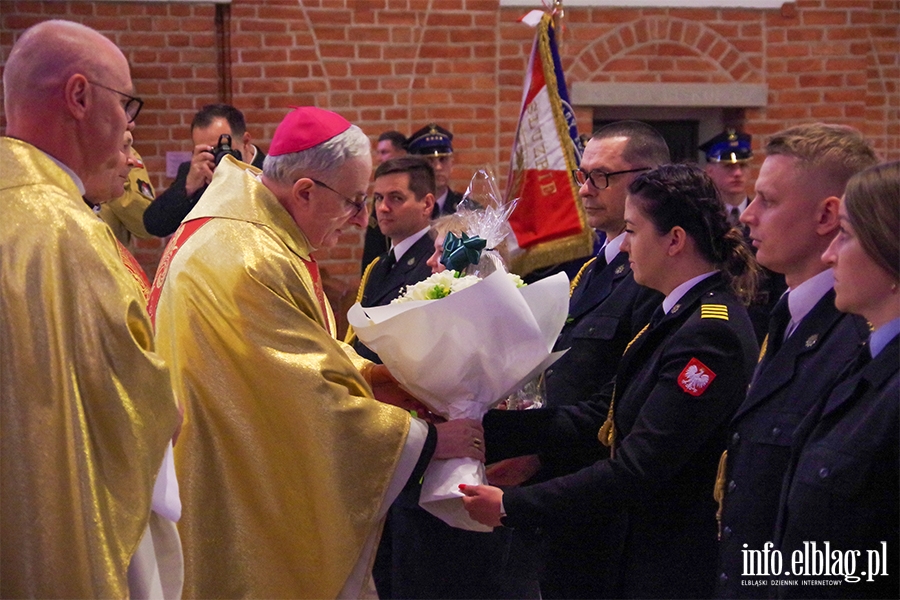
(431, 140)
(729, 146)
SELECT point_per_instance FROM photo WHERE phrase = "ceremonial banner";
(549, 223)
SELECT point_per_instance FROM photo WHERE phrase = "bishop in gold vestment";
(286, 463)
(86, 406)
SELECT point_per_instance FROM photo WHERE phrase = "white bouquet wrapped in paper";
(463, 353)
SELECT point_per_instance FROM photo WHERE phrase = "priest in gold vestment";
(86, 406)
(286, 463)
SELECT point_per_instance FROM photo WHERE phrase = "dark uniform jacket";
(678, 384)
(843, 481)
(165, 214)
(385, 281)
(786, 385)
(607, 309)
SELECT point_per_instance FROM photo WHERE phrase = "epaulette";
(714, 311)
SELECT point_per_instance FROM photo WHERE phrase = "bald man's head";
(47, 54)
(65, 87)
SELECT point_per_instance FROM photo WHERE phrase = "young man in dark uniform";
(792, 220)
(404, 200)
(390, 144)
(434, 143)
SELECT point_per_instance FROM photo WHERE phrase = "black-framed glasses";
(600, 179)
(353, 206)
(132, 106)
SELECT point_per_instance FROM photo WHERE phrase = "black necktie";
(863, 358)
(734, 217)
(658, 315)
(390, 261)
(778, 323)
(601, 261)
(598, 264)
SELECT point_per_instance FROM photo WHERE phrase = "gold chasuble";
(284, 458)
(86, 407)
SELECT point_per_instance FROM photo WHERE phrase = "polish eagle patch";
(695, 377)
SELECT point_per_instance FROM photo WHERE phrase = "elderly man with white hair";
(287, 462)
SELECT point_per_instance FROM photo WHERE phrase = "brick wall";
(397, 64)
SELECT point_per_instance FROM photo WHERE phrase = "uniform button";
(732, 485)
(549, 372)
(592, 329)
(824, 472)
(723, 578)
(735, 438)
(776, 431)
(726, 532)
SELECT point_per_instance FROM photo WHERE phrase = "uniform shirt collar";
(883, 335)
(741, 207)
(679, 292)
(401, 247)
(440, 200)
(611, 248)
(805, 296)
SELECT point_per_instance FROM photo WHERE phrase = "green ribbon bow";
(460, 252)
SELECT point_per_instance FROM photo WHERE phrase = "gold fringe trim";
(719, 489)
(763, 348)
(607, 433)
(579, 275)
(351, 335)
(553, 252)
(574, 246)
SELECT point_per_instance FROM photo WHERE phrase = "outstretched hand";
(482, 502)
(387, 389)
(513, 471)
(460, 438)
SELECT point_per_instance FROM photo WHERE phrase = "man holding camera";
(213, 121)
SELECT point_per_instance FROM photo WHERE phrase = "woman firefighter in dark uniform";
(842, 487)
(677, 385)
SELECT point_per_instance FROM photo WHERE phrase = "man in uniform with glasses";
(607, 308)
(289, 464)
(86, 405)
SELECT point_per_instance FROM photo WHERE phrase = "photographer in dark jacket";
(164, 214)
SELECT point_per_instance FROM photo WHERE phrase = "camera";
(224, 149)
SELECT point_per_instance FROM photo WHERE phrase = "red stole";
(185, 231)
(313, 268)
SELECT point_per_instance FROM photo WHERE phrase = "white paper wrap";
(462, 354)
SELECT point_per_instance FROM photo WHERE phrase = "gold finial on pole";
(558, 13)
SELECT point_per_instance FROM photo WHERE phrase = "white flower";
(441, 285)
